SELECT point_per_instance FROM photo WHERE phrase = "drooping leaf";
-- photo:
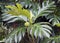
(41, 31)
(17, 33)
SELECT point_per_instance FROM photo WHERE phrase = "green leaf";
(40, 30)
(17, 33)
(46, 9)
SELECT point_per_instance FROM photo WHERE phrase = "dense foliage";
(33, 21)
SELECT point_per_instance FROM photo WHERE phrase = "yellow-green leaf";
(19, 6)
(58, 24)
(17, 11)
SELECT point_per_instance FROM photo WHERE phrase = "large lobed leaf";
(16, 35)
(40, 30)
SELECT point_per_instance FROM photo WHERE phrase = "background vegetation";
(30, 21)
